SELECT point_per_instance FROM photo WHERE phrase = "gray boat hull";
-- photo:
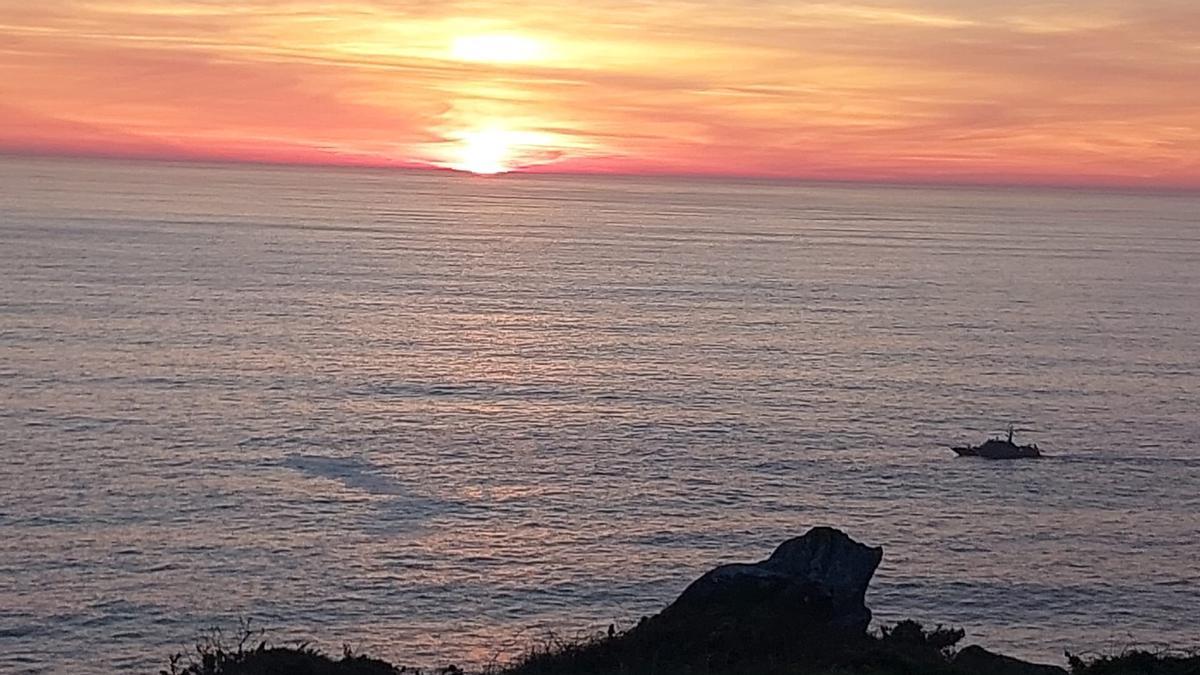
(999, 449)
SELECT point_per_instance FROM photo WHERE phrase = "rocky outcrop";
(979, 661)
(818, 580)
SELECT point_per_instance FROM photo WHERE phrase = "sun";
(487, 151)
(494, 147)
(497, 48)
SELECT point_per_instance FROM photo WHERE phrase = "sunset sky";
(1068, 91)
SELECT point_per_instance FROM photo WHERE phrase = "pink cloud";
(913, 89)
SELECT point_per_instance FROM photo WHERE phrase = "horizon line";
(545, 170)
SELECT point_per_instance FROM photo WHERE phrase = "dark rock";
(979, 661)
(817, 580)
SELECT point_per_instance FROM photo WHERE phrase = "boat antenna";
(1010, 432)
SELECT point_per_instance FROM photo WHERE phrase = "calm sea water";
(436, 416)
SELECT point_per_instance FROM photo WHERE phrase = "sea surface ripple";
(437, 416)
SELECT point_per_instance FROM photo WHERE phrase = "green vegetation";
(215, 655)
(1139, 662)
(746, 648)
(906, 648)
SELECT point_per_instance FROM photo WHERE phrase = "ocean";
(439, 416)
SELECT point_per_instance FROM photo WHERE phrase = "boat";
(1000, 448)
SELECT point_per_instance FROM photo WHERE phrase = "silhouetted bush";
(756, 648)
(214, 655)
(1137, 662)
(906, 648)
(909, 633)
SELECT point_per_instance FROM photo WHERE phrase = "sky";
(1007, 91)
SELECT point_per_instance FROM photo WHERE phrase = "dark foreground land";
(800, 612)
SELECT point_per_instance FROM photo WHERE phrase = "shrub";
(1137, 662)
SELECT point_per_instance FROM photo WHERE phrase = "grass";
(215, 655)
(773, 648)
(1138, 662)
(745, 648)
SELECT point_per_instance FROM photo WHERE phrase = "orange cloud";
(1076, 92)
